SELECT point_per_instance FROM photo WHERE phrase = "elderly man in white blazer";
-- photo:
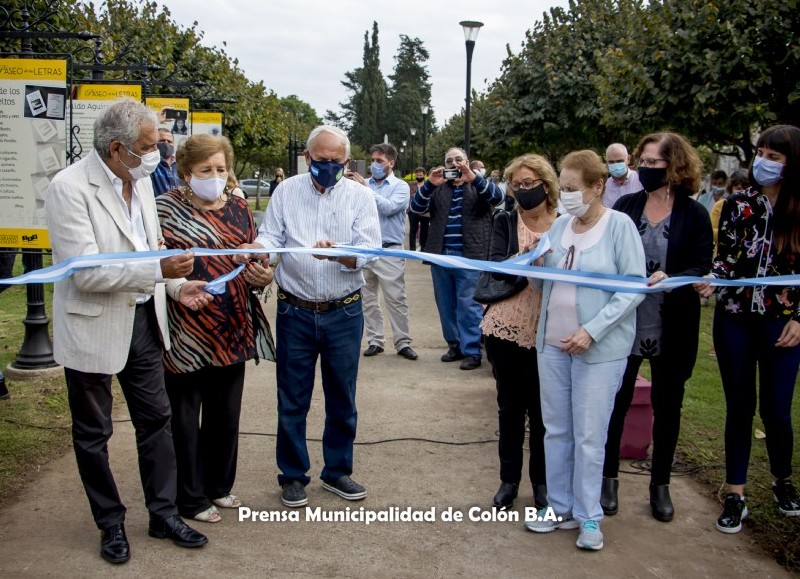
(112, 319)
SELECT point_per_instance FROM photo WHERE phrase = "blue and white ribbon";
(518, 265)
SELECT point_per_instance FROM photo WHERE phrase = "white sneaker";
(591, 537)
(545, 523)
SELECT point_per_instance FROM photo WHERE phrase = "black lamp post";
(402, 148)
(424, 109)
(471, 29)
(413, 160)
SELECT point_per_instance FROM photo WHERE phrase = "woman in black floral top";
(759, 236)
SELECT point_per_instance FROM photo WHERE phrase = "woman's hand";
(193, 296)
(258, 275)
(577, 343)
(790, 336)
(657, 277)
(704, 288)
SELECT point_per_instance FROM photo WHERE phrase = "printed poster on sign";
(33, 145)
(88, 101)
(173, 114)
(207, 122)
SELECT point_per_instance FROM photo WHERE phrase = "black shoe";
(408, 353)
(609, 500)
(114, 546)
(505, 495)
(733, 513)
(452, 355)
(661, 503)
(540, 496)
(785, 495)
(294, 494)
(174, 528)
(346, 488)
(373, 350)
(470, 363)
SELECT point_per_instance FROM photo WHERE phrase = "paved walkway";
(48, 530)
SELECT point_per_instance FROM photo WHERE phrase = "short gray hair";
(335, 131)
(121, 122)
(459, 149)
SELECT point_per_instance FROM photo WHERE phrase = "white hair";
(459, 149)
(617, 146)
(123, 122)
(335, 131)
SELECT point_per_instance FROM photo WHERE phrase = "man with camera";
(460, 204)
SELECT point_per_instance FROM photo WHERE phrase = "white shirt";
(391, 196)
(562, 309)
(133, 218)
(298, 216)
(614, 190)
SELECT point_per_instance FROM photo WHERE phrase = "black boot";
(661, 503)
(540, 496)
(608, 496)
(505, 495)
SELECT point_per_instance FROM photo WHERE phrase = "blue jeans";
(743, 343)
(303, 336)
(577, 400)
(459, 314)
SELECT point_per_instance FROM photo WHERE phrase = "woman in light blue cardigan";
(584, 339)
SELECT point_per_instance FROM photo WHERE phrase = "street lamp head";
(404, 143)
(413, 131)
(424, 109)
(471, 29)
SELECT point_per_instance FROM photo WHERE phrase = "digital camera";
(451, 174)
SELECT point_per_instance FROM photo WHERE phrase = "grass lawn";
(34, 422)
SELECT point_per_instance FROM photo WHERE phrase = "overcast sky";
(305, 47)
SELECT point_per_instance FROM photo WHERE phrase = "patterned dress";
(745, 249)
(648, 315)
(233, 327)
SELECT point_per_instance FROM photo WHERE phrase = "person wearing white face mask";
(583, 340)
(112, 319)
(204, 369)
(758, 327)
(622, 179)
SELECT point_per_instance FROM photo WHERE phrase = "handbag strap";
(511, 235)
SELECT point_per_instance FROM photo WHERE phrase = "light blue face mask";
(377, 170)
(618, 170)
(767, 172)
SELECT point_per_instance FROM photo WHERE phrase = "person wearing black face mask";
(677, 238)
(509, 329)
(417, 224)
(165, 178)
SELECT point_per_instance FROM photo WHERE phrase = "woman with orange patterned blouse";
(509, 328)
(204, 369)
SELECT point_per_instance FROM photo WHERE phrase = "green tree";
(410, 88)
(363, 113)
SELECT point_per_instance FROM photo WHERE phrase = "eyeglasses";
(525, 184)
(453, 161)
(650, 162)
(569, 259)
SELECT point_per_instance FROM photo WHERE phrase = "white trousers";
(388, 274)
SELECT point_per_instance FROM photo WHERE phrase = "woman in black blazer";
(677, 235)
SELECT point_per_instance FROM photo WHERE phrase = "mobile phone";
(175, 114)
(450, 174)
(353, 166)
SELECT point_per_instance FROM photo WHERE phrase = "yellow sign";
(25, 238)
(33, 69)
(207, 117)
(158, 103)
(108, 92)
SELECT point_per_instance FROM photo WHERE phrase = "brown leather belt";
(320, 307)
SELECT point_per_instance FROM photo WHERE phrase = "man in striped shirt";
(319, 311)
(460, 203)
